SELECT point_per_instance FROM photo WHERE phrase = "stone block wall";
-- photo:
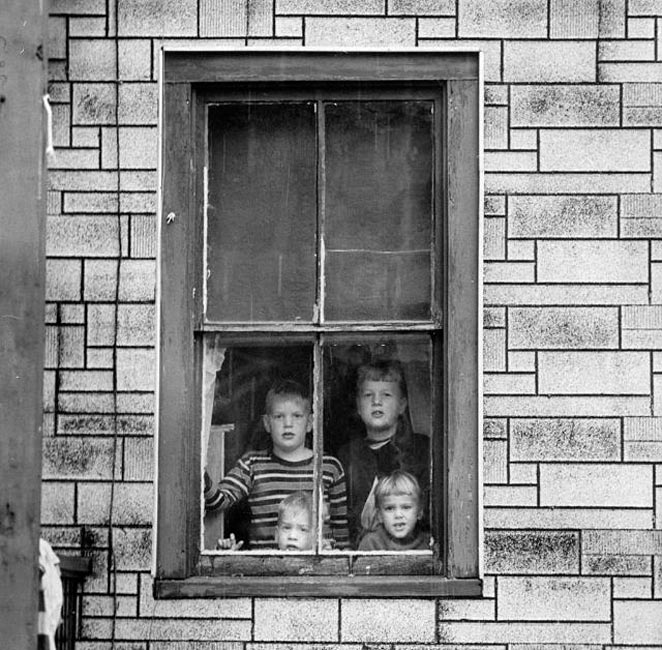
(573, 321)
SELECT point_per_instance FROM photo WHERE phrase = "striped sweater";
(265, 480)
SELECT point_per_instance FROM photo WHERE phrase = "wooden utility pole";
(23, 26)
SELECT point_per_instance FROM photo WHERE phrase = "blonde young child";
(398, 513)
(294, 530)
(266, 476)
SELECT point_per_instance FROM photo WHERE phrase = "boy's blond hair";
(296, 502)
(283, 389)
(397, 483)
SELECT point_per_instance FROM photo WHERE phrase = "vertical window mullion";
(321, 211)
(318, 442)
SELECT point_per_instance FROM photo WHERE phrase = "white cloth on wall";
(51, 597)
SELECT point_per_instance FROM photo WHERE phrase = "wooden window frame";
(184, 73)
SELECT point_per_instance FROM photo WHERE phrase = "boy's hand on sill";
(229, 544)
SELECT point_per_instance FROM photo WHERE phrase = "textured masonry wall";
(573, 320)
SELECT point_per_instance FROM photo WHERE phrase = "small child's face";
(294, 531)
(399, 514)
(288, 423)
(380, 404)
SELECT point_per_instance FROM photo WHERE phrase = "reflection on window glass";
(377, 421)
(378, 220)
(261, 214)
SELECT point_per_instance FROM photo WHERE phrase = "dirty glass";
(261, 212)
(378, 209)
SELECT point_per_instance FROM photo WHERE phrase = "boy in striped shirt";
(265, 477)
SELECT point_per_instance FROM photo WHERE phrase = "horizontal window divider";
(310, 328)
(319, 586)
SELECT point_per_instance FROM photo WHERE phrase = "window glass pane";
(259, 453)
(377, 419)
(262, 223)
(378, 209)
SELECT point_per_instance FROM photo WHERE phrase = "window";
(320, 224)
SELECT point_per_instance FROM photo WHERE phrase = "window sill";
(318, 586)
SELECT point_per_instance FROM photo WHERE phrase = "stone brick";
(491, 50)
(494, 317)
(524, 139)
(421, 7)
(641, 206)
(372, 621)
(437, 27)
(643, 452)
(296, 620)
(135, 325)
(629, 72)
(495, 461)
(495, 429)
(521, 361)
(134, 202)
(134, 59)
(137, 280)
(546, 406)
(630, 50)
(509, 272)
(138, 103)
(63, 280)
(138, 147)
(373, 32)
(594, 373)
(503, 19)
(92, 59)
(554, 599)
(78, 7)
(595, 150)
(172, 628)
(531, 552)
(135, 369)
(86, 403)
(526, 294)
(109, 148)
(100, 280)
(641, 339)
(637, 621)
(494, 350)
(645, 8)
(87, 26)
(77, 458)
(584, 183)
(495, 206)
(57, 503)
(82, 236)
(496, 127)
(523, 473)
(139, 459)
(90, 202)
(565, 105)
(291, 26)
(592, 261)
(71, 353)
(641, 229)
(509, 384)
(626, 588)
(74, 159)
(641, 27)
(567, 518)
(135, 403)
(514, 161)
(564, 439)
(569, 19)
(511, 632)
(133, 503)
(82, 181)
(61, 125)
(510, 496)
(494, 239)
(86, 380)
(622, 542)
(100, 324)
(656, 283)
(157, 18)
(642, 94)
(649, 429)
(563, 327)
(596, 485)
(521, 250)
(549, 61)
(51, 348)
(614, 565)
(229, 18)
(72, 314)
(612, 19)
(466, 609)
(342, 7)
(643, 116)
(57, 38)
(133, 548)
